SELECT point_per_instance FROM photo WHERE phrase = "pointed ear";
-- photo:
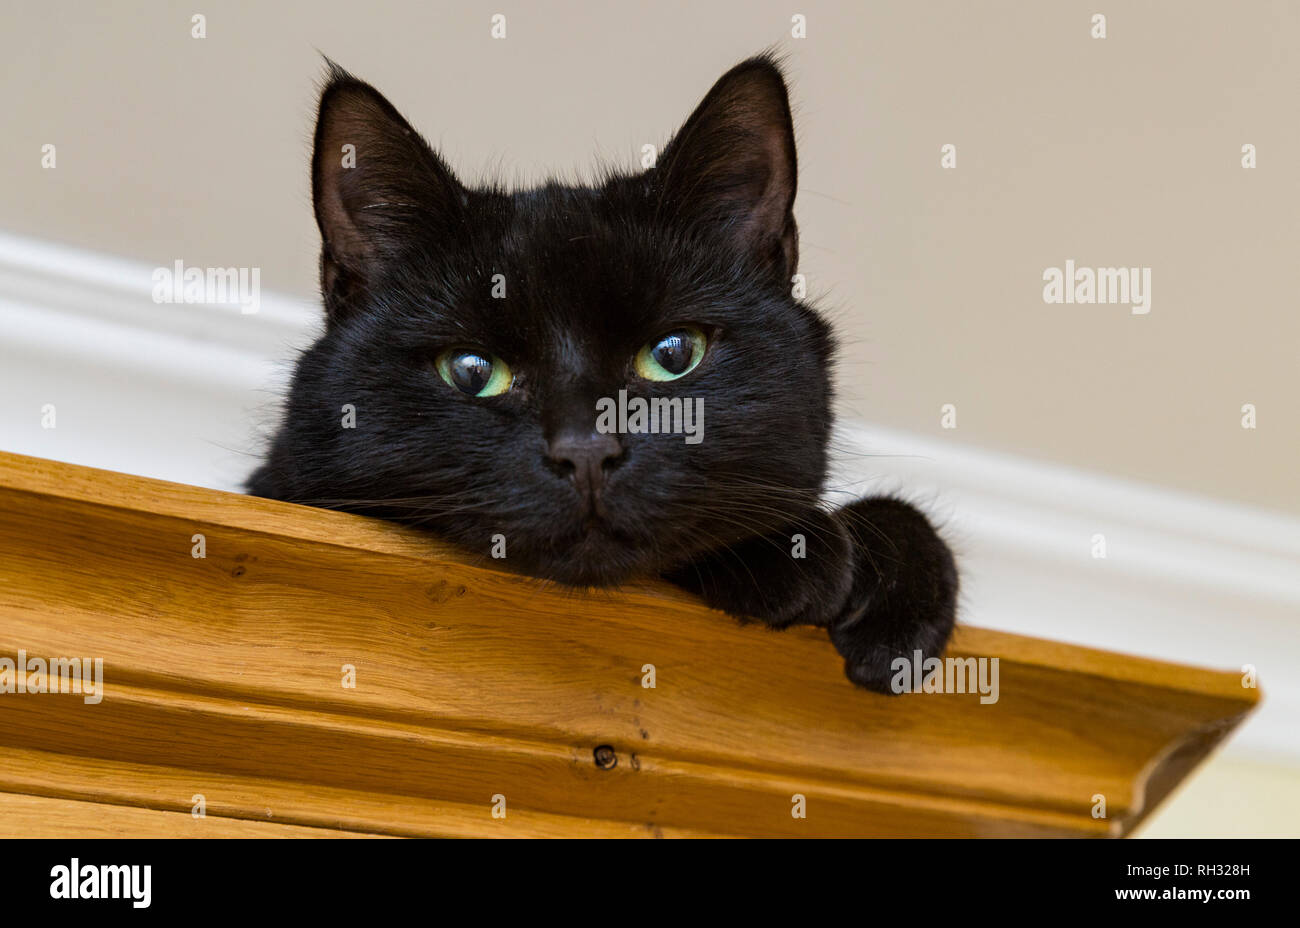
(732, 165)
(375, 185)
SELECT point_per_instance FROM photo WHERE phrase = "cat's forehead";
(574, 229)
(577, 256)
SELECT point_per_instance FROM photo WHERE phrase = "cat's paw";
(904, 594)
(800, 576)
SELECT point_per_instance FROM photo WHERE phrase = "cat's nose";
(585, 457)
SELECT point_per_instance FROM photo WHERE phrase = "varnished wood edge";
(199, 506)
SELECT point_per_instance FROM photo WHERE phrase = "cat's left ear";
(732, 165)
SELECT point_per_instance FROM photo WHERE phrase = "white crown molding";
(1186, 578)
(120, 291)
(1150, 530)
(66, 302)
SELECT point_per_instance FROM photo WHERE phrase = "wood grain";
(223, 677)
(41, 817)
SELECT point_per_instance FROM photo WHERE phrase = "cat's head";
(474, 337)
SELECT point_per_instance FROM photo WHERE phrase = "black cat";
(472, 333)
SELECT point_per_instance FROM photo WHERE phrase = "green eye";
(672, 355)
(474, 373)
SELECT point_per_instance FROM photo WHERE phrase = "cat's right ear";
(376, 187)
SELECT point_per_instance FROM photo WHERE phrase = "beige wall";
(1122, 151)
(1228, 798)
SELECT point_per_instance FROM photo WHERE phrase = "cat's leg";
(875, 574)
(800, 575)
(904, 594)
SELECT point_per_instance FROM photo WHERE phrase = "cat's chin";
(593, 559)
(583, 577)
(583, 574)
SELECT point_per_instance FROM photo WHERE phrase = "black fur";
(706, 237)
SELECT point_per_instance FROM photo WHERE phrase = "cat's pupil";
(674, 351)
(470, 372)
